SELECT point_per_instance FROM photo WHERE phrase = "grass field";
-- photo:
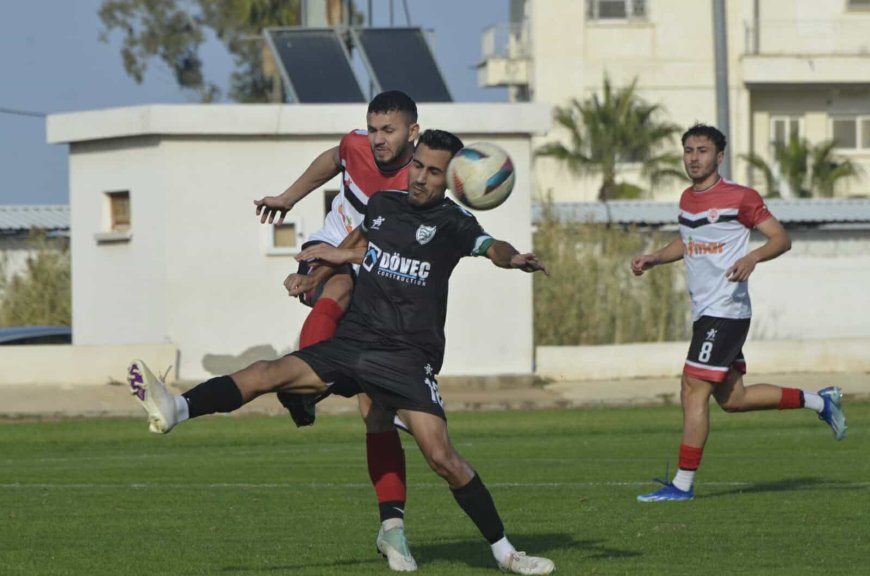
(252, 495)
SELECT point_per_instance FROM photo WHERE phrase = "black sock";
(392, 509)
(477, 503)
(216, 395)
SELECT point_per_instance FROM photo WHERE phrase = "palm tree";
(607, 132)
(826, 170)
(806, 170)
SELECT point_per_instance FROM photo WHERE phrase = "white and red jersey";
(714, 226)
(360, 178)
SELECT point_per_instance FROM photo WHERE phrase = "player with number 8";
(715, 219)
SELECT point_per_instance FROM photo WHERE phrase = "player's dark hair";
(710, 132)
(394, 100)
(440, 140)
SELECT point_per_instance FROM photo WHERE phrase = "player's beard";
(396, 162)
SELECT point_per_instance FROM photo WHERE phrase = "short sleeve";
(473, 239)
(753, 210)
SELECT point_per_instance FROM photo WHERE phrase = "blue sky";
(51, 60)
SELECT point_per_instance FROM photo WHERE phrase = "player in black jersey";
(390, 344)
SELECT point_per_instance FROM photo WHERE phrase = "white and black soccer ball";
(481, 175)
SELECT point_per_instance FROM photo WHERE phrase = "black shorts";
(395, 378)
(310, 298)
(717, 346)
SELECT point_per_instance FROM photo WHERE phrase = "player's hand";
(270, 206)
(640, 264)
(323, 253)
(741, 269)
(528, 263)
(297, 284)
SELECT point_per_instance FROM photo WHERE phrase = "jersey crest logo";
(425, 234)
(376, 223)
(713, 215)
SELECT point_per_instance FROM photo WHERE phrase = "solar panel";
(400, 59)
(314, 64)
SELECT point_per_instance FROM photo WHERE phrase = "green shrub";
(41, 294)
(592, 297)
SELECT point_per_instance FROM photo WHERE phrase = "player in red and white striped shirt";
(715, 219)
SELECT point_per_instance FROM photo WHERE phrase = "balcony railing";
(506, 40)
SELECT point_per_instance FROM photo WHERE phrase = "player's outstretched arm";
(778, 243)
(324, 168)
(504, 255)
(350, 251)
(670, 253)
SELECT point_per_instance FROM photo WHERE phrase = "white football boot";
(519, 563)
(157, 401)
(394, 547)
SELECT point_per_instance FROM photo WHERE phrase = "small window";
(284, 236)
(117, 219)
(119, 211)
(845, 133)
(283, 239)
(615, 9)
(328, 197)
(784, 128)
(865, 133)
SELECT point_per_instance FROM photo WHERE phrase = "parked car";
(26, 335)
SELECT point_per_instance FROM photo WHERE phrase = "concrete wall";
(567, 363)
(818, 290)
(195, 270)
(65, 365)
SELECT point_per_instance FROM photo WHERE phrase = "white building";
(166, 246)
(793, 66)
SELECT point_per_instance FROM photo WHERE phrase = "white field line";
(358, 485)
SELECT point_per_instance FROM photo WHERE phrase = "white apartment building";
(793, 67)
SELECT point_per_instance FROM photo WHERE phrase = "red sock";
(690, 457)
(321, 322)
(791, 398)
(386, 461)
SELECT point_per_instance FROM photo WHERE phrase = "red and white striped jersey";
(714, 226)
(360, 178)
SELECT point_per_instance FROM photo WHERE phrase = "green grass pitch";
(254, 496)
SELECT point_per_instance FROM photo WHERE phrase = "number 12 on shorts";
(433, 388)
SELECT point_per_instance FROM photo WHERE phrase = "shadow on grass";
(474, 554)
(287, 568)
(787, 485)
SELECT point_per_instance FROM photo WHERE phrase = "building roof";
(815, 211)
(16, 217)
(206, 120)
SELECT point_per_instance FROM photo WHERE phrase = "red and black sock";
(791, 398)
(386, 460)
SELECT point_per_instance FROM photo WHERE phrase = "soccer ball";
(481, 175)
